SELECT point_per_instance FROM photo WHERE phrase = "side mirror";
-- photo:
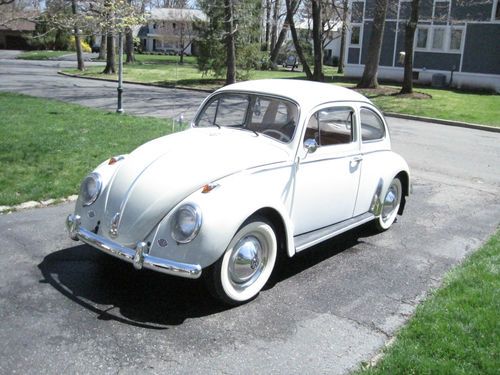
(310, 145)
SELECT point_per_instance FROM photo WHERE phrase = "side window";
(372, 126)
(331, 126)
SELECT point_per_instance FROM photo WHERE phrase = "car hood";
(155, 177)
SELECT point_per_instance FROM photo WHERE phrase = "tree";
(317, 40)
(345, 12)
(129, 42)
(291, 8)
(369, 78)
(230, 45)
(78, 43)
(230, 22)
(411, 25)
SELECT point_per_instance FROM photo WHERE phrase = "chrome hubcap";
(391, 202)
(247, 261)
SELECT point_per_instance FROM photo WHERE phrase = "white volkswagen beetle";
(267, 169)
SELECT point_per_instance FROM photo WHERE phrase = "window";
(355, 35)
(455, 39)
(497, 12)
(229, 110)
(372, 126)
(438, 38)
(331, 126)
(273, 117)
(441, 9)
(422, 37)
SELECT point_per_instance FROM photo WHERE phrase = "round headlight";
(90, 189)
(186, 223)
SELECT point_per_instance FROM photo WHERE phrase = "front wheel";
(246, 265)
(390, 206)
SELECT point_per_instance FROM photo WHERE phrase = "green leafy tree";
(230, 22)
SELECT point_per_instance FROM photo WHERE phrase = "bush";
(84, 44)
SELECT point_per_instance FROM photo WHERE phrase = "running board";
(306, 240)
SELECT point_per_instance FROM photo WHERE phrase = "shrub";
(84, 44)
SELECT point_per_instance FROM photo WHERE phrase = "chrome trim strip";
(138, 257)
(336, 230)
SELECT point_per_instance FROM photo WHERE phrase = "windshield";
(273, 117)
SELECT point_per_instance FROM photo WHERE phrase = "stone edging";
(134, 83)
(36, 204)
(444, 122)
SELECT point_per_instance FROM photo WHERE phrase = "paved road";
(67, 308)
(40, 78)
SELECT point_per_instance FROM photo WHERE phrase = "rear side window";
(331, 126)
(372, 126)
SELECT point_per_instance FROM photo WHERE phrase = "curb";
(136, 83)
(458, 124)
(388, 114)
(35, 204)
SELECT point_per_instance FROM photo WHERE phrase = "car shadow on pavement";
(114, 290)
(289, 267)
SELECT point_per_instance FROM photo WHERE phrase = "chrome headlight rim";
(195, 211)
(96, 177)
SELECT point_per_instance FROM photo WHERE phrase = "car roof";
(305, 93)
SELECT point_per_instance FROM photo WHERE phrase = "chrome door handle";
(357, 159)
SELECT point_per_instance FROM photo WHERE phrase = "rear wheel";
(245, 267)
(390, 206)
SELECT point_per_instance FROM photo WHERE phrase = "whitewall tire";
(390, 205)
(246, 265)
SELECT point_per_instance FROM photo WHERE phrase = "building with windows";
(458, 39)
(171, 30)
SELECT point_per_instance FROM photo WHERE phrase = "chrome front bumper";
(138, 256)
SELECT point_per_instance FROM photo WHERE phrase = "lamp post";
(119, 108)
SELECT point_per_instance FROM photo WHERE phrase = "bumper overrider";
(139, 256)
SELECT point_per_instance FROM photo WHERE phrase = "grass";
(41, 55)
(45, 151)
(457, 330)
(473, 107)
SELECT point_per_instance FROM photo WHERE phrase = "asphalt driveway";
(66, 308)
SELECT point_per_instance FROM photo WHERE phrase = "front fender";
(224, 210)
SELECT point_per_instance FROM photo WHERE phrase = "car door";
(375, 147)
(327, 178)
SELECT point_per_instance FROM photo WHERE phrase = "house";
(15, 34)
(171, 30)
(456, 39)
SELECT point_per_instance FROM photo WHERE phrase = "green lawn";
(41, 55)
(478, 108)
(47, 147)
(457, 330)
(471, 107)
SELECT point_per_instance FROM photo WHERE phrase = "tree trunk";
(102, 48)
(317, 44)
(291, 7)
(274, 27)
(78, 43)
(230, 46)
(129, 46)
(268, 25)
(277, 46)
(369, 78)
(345, 6)
(129, 42)
(407, 87)
(110, 55)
